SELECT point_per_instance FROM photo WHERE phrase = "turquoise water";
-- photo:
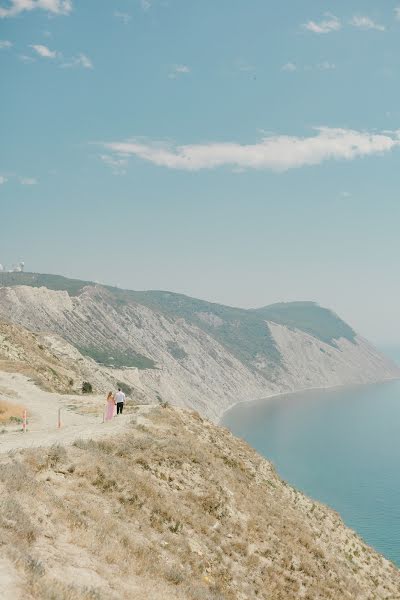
(339, 446)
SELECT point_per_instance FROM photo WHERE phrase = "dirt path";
(42, 408)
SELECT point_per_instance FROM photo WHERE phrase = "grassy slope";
(176, 508)
(309, 317)
(242, 332)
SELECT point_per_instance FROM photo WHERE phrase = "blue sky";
(242, 151)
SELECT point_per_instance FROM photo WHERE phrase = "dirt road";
(42, 408)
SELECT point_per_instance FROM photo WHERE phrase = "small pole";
(24, 421)
(59, 419)
(104, 413)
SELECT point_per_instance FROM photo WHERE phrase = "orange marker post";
(59, 419)
(24, 420)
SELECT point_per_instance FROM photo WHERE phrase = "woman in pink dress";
(110, 406)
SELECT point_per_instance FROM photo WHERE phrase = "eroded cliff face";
(189, 367)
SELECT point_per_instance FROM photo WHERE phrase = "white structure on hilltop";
(18, 268)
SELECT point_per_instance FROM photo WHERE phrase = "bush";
(87, 388)
(127, 389)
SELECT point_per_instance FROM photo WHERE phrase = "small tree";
(87, 388)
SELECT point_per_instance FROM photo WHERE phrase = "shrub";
(87, 388)
(127, 389)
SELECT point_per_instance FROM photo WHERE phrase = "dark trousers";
(120, 406)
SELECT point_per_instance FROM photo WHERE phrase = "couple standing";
(115, 400)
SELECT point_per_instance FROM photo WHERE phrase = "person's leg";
(121, 408)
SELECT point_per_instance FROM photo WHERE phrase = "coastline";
(309, 389)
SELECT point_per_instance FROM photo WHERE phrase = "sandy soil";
(8, 579)
(42, 409)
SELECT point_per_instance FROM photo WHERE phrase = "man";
(119, 401)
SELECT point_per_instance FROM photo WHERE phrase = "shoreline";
(310, 389)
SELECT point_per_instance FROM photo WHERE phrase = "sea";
(340, 446)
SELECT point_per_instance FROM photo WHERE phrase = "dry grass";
(176, 509)
(10, 412)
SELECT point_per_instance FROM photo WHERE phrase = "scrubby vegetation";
(117, 358)
(175, 509)
(127, 389)
(309, 317)
(87, 387)
(176, 351)
(10, 412)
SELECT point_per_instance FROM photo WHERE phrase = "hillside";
(190, 352)
(174, 508)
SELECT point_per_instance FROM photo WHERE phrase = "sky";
(241, 151)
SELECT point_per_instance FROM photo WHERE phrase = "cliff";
(190, 352)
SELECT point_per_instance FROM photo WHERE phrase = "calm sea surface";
(340, 446)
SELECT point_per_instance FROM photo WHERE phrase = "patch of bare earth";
(175, 508)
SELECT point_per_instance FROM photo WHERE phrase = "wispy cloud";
(5, 44)
(178, 70)
(363, 22)
(274, 152)
(397, 13)
(117, 164)
(289, 67)
(26, 58)
(3, 180)
(28, 181)
(330, 23)
(145, 4)
(124, 17)
(56, 7)
(44, 51)
(326, 66)
(81, 61)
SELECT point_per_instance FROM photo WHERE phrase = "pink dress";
(110, 409)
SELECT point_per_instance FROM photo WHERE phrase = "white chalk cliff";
(191, 357)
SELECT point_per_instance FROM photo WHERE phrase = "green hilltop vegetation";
(242, 331)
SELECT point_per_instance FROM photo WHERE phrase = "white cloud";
(397, 13)
(326, 66)
(56, 7)
(124, 17)
(145, 4)
(28, 181)
(44, 51)
(178, 70)
(322, 66)
(3, 179)
(290, 67)
(4, 44)
(116, 164)
(81, 61)
(274, 152)
(26, 59)
(330, 23)
(366, 23)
